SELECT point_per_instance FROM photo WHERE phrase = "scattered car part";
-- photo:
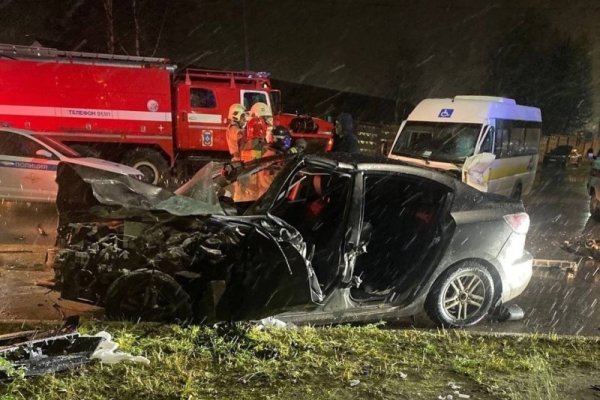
(565, 265)
(47, 355)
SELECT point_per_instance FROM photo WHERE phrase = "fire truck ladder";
(260, 79)
(49, 54)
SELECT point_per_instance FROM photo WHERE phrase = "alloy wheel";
(463, 297)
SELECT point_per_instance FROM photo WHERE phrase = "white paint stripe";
(209, 118)
(88, 113)
(106, 135)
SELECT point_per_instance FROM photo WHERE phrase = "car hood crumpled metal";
(129, 194)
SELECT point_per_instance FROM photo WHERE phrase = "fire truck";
(139, 111)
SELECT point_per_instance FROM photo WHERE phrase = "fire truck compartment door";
(202, 119)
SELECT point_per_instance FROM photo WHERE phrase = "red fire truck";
(139, 111)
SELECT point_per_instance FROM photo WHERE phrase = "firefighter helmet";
(261, 110)
(237, 113)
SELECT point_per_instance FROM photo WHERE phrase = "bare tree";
(110, 25)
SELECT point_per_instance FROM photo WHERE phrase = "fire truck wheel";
(150, 163)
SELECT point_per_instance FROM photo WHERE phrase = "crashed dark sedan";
(309, 238)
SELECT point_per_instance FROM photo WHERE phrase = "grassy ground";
(343, 362)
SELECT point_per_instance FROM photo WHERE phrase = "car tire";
(148, 295)
(150, 163)
(594, 206)
(462, 296)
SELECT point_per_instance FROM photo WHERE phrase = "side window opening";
(251, 98)
(404, 216)
(19, 146)
(202, 98)
(486, 145)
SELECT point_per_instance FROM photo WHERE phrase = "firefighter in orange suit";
(236, 130)
(258, 131)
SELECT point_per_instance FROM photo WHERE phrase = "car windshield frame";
(224, 179)
(426, 140)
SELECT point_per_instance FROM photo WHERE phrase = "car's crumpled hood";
(125, 192)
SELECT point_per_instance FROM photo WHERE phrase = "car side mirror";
(43, 153)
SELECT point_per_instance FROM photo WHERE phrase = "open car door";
(297, 254)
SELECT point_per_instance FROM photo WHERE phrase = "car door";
(296, 255)
(27, 169)
(406, 218)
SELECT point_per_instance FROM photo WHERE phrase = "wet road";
(555, 300)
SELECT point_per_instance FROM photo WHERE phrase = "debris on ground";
(512, 312)
(585, 248)
(271, 322)
(456, 394)
(46, 355)
(353, 382)
(107, 354)
(563, 265)
(33, 353)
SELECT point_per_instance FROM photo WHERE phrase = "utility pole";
(245, 27)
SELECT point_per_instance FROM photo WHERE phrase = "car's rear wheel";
(147, 295)
(462, 296)
(594, 206)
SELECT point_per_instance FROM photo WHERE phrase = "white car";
(28, 164)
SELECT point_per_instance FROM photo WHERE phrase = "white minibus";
(490, 143)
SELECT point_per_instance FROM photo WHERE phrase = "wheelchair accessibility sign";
(446, 113)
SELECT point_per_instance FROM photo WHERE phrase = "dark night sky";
(352, 45)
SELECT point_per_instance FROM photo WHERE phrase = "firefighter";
(258, 132)
(235, 131)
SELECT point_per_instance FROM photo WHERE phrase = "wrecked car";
(307, 238)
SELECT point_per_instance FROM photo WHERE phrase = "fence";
(371, 137)
(582, 144)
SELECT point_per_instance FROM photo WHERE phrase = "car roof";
(363, 162)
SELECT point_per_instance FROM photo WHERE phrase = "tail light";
(519, 222)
